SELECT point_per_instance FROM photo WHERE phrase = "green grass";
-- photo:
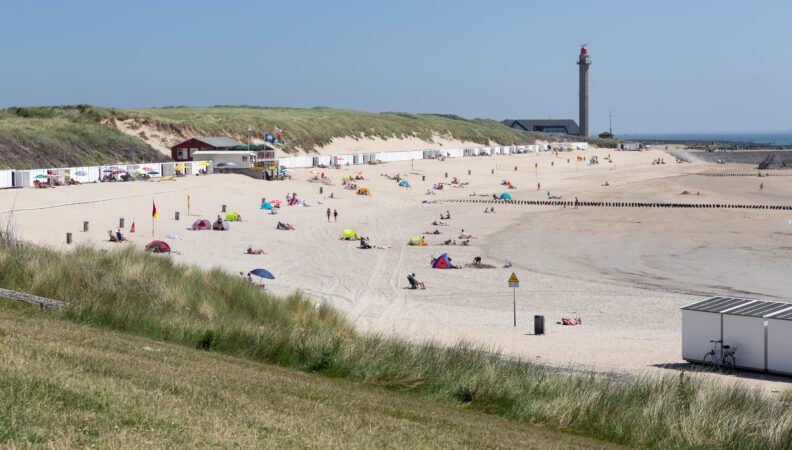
(65, 385)
(152, 297)
(65, 137)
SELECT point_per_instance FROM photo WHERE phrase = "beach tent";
(223, 226)
(442, 262)
(348, 233)
(266, 205)
(158, 247)
(505, 196)
(202, 224)
(363, 191)
(232, 216)
(415, 240)
(404, 183)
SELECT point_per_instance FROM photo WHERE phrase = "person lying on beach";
(465, 242)
(454, 181)
(254, 251)
(364, 244)
(572, 322)
(440, 223)
(432, 232)
(414, 283)
(284, 226)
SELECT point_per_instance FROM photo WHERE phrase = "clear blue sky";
(671, 66)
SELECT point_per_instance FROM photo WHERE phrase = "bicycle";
(724, 360)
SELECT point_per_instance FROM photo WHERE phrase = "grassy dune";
(307, 129)
(152, 297)
(86, 135)
(65, 385)
(63, 137)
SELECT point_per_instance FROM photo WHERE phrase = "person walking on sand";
(761, 186)
(576, 202)
(328, 215)
(538, 186)
(335, 215)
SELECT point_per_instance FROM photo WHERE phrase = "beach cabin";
(779, 341)
(744, 329)
(227, 159)
(702, 322)
(184, 151)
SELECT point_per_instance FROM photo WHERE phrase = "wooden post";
(423, 178)
(321, 190)
(446, 174)
(68, 238)
(85, 226)
(515, 168)
(224, 208)
(493, 171)
(468, 172)
(176, 214)
(120, 222)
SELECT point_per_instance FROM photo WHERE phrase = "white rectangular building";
(779, 342)
(744, 331)
(702, 322)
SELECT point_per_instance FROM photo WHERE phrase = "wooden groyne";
(619, 204)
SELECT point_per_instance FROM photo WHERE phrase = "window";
(244, 159)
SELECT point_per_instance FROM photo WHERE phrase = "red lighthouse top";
(584, 50)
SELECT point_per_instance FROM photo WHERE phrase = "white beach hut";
(779, 341)
(702, 322)
(744, 329)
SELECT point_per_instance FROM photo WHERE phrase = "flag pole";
(152, 217)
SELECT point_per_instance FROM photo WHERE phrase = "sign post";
(514, 283)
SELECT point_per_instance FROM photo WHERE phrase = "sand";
(625, 271)
(348, 145)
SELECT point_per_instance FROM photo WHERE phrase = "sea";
(775, 138)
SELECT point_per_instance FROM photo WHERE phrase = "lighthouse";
(583, 66)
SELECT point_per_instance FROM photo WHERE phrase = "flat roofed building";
(556, 126)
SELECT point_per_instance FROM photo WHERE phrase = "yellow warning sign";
(513, 278)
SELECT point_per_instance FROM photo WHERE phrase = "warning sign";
(514, 281)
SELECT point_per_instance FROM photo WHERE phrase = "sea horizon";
(769, 138)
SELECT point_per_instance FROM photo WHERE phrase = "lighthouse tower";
(583, 65)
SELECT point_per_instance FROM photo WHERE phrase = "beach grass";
(152, 297)
(48, 137)
(308, 129)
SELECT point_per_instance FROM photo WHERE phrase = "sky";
(660, 67)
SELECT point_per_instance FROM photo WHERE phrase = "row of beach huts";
(92, 174)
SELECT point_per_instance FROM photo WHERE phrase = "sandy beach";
(625, 271)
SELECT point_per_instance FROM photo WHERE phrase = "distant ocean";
(758, 138)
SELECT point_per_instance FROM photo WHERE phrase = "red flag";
(154, 212)
(132, 228)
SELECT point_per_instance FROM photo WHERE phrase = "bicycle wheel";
(728, 363)
(709, 359)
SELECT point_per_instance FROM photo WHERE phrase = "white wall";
(698, 328)
(748, 335)
(779, 346)
(6, 179)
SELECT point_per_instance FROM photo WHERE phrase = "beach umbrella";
(225, 164)
(146, 169)
(180, 166)
(41, 175)
(152, 172)
(204, 163)
(263, 273)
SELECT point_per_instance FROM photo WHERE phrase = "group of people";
(334, 214)
(118, 236)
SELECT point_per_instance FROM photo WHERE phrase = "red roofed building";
(183, 151)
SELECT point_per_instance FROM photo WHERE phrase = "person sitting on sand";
(447, 242)
(414, 283)
(364, 243)
(113, 237)
(492, 210)
(120, 236)
(439, 223)
(465, 242)
(254, 251)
